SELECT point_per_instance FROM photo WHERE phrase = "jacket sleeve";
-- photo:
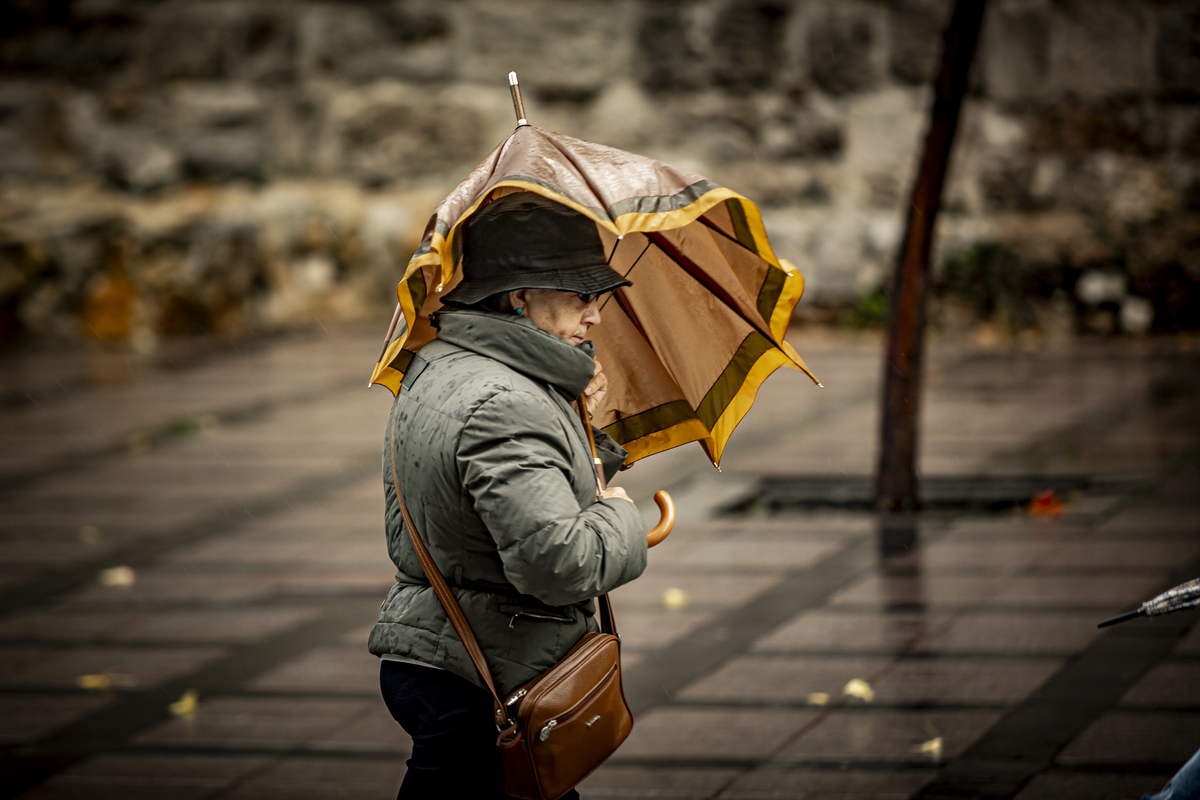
(515, 466)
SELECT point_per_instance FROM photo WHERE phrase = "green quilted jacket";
(497, 475)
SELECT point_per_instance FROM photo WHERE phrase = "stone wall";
(180, 167)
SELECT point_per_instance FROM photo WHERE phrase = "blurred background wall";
(177, 168)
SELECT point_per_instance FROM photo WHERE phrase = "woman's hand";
(615, 492)
(595, 390)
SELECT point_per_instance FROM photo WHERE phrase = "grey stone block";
(843, 50)
(916, 39)
(1015, 51)
(1177, 52)
(746, 44)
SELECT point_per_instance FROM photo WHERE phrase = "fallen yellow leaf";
(818, 699)
(118, 576)
(675, 598)
(106, 681)
(185, 706)
(933, 748)
(860, 689)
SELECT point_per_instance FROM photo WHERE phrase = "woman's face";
(565, 314)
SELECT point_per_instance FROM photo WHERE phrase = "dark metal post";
(896, 482)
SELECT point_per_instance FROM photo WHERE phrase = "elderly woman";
(496, 471)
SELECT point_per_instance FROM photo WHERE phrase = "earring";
(520, 311)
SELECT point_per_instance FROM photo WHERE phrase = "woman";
(496, 471)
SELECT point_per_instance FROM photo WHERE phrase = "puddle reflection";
(899, 543)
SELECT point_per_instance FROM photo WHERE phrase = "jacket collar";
(517, 343)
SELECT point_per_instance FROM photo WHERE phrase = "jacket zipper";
(544, 733)
(537, 615)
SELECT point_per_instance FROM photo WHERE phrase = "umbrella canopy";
(685, 348)
(1183, 596)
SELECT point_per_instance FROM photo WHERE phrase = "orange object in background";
(1046, 504)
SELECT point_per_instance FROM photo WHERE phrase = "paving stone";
(1006, 556)
(366, 548)
(1116, 591)
(623, 781)
(1091, 786)
(218, 626)
(358, 636)
(849, 631)
(335, 582)
(877, 734)
(27, 717)
(919, 591)
(783, 678)
(1133, 555)
(1136, 520)
(1168, 684)
(1189, 645)
(652, 630)
(154, 589)
(704, 590)
(1015, 633)
(1136, 737)
(1016, 527)
(132, 668)
(843, 784)
(324, 670)
(321, 778)
(716, 733)
(257, 722)
(147, 777)
(972, 681)
(759, 553)
(35, 553)
(65, 626)
(372, 730)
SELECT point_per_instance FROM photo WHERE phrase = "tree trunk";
(896, 482)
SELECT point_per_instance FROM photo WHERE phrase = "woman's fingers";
(615, 492)
(595, 389)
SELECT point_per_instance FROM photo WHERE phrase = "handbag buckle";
(508, 736)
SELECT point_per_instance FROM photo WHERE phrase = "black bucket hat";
(526, 241)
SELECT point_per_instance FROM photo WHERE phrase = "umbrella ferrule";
(518, 103)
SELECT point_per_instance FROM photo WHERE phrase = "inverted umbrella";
(1183, 596)
(686, 348)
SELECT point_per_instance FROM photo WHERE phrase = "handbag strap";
(509, 733)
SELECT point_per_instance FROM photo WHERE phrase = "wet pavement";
(191, 555)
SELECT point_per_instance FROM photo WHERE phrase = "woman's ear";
(517, 299)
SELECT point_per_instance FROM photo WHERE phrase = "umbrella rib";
(712, 227)
(631, 266)
(689, 268)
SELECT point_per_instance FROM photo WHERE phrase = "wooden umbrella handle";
(660, 531)
(666, 506)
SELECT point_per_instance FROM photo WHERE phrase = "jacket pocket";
(516, 612)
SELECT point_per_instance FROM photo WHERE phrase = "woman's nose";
(591, 312)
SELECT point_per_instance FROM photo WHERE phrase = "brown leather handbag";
(557, 729)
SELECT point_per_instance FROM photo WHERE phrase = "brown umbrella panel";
(688, 345)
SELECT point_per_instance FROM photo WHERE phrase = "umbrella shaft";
(1120, 618)
(518, 103)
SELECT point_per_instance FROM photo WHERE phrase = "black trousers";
(454, 739)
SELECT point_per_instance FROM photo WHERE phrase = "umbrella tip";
(518, 103)
(820, 385)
